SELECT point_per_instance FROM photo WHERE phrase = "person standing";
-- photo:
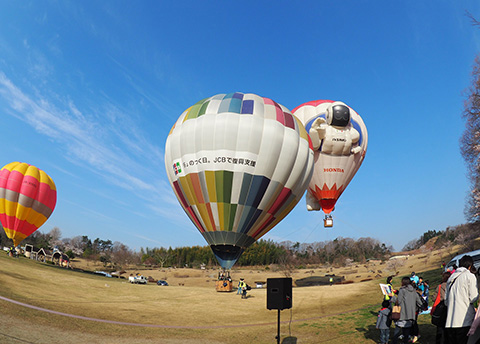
(242, 286)
(239, 287)
(409, 300)
(461, 293)
(383, 322)
(389, 295)
(440, 300)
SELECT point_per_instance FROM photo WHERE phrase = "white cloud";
(111, 146)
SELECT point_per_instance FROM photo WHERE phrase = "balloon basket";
(224, 282)
(328, 221)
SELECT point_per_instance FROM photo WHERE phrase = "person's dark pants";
(384, 334)
(456, 335)
(415, 330)
(396, 333)
(406, 331)
(440, 335)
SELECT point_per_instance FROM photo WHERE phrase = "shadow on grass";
(370, 332)
(427, 333)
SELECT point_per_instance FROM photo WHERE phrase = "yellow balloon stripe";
(45, 178)
(202, 208)
(17, 237)
(184, 182)
(210, 179)
(22, 213)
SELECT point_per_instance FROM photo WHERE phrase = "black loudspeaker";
(279, 293)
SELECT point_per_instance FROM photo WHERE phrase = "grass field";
(188, 313)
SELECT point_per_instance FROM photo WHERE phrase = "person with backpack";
(439, 310)
(384, 321)
(461, 293)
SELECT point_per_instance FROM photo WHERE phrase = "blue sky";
(89, 91)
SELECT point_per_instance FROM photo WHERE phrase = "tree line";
(338, 252)
(116, 255)
(464, 235)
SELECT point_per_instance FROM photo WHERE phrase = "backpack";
(439, 315)
(389, 319)
(424, 304)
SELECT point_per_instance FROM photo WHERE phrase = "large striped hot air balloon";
(27, 198)
(339, 137)
(238, 164)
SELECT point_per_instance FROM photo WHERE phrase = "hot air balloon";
(339, 138)
(27, 199)
(238, 164)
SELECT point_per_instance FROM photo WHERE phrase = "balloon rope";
(358, 230)
(297, 230)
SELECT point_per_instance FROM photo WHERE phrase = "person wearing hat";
(243, 286)
(239, 290)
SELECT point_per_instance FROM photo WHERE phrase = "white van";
(456, 260)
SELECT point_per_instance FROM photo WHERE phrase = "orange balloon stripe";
(195, 185)
(328, 193)
(210, 217)
(328, 196)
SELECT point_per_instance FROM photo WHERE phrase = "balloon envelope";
(238, 164)
(27, 199)
(334, 168)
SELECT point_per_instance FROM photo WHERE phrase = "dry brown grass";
(223, 317)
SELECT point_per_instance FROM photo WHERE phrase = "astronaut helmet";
(338, 114)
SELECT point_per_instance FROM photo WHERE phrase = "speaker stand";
(278, 328)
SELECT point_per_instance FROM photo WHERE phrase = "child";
(384, 321)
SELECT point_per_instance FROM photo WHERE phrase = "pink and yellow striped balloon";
(27, 199)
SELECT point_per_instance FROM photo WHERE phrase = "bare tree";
(470, 141)
(121, 255)
(55, 236)
(394, 265)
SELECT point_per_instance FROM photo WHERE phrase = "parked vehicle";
(162, 282)
(106, 274)
(138, 279)
(456, 260)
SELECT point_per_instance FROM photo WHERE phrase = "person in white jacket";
(460, 295)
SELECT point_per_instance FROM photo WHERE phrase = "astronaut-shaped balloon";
(339, 138)
(335, 135)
